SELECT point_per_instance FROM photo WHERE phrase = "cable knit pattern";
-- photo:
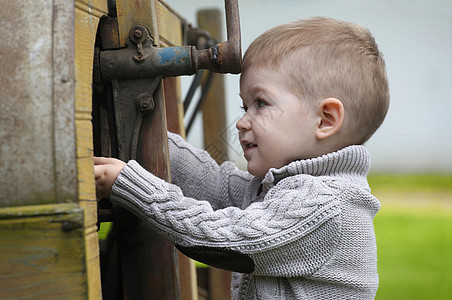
(307, 226)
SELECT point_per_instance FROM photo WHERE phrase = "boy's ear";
(331, 112)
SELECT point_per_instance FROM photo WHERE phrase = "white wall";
(416, 39)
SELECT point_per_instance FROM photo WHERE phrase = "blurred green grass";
(414, 236)
(410, 182)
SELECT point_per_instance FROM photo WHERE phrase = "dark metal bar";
(201, 100)
(166, 62)
(191, 91)
(147, 61)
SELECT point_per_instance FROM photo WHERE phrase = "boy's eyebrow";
(255, 89)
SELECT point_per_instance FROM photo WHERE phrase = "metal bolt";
(146, 102)
(67, 226)
(138, 34)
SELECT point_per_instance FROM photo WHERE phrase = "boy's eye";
(260, 103)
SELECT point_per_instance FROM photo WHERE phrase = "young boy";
(299, 223)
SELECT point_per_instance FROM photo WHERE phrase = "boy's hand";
(106, 171)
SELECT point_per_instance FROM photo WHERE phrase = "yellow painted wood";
(132, 13)
(46, 260)
(87, 17)
(50, 251)
(92, 263)
(84, 137)
(95, 8)
(169, 25)
(85, 175)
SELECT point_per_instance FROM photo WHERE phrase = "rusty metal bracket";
(132, 101)
(146, 61)
(130, 117)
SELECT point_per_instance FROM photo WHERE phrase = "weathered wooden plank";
(174, 105)
(214, 107)
(42, 252)
(169, 25)
(84, 138)
(214, 124)
(87, 17)
(92, 257)
(170, 30)
(63, 110)
(48, 87)
(26, 105)
(140, 12)
(148, 261)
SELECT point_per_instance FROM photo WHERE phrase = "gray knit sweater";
(303, 232)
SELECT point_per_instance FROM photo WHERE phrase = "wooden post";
(214, 107)
(48, 244)
(155, 259)
(87, 17)
(187, 270)
(214, 121)
(170, 29)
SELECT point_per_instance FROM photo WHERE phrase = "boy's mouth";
(247, 146)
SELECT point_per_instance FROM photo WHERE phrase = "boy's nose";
(243, 123)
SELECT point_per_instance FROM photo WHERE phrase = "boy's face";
(276, 127)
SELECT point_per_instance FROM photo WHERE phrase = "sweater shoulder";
(315, 187)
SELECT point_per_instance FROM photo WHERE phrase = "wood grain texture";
(139, 12)
(214, 106)
(43, 252)
(87, 17)
(169, 25)
(215, 125)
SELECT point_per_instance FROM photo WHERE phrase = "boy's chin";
(257, 173)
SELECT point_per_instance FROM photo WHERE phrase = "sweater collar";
(351, 162)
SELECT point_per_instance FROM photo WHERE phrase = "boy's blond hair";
(322, 57)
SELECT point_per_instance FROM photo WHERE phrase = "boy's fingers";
(105, 160)
(101, 160)
(98, 170)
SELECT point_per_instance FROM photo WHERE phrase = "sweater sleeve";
(290, 233)
(198, 175)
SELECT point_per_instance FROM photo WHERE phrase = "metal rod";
(224, 57)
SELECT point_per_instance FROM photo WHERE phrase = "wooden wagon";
(67, 93)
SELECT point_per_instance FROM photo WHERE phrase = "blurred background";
(412, 151)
